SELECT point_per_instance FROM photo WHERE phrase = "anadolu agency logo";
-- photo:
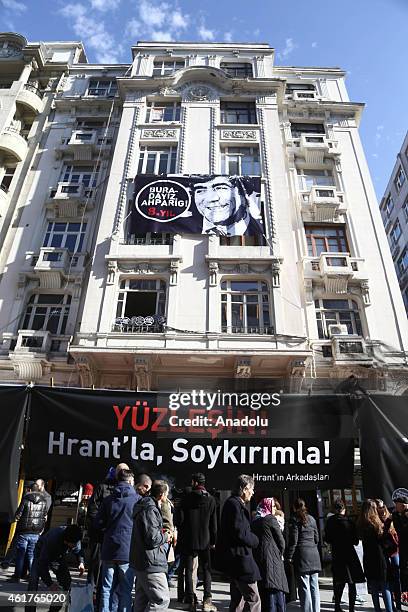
(163, 201)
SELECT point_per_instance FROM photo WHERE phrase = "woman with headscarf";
(269, 557)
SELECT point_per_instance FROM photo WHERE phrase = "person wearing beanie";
(341, 534)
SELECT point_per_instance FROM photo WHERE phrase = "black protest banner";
(383, 421)
(13, 401)
(197, 204)
(292, 441)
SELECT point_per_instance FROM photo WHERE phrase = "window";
(164, 67)
(80, 175)
(241, 70)
(405, 208)
(388, 204)
(7, 178)
(157, 112)
(65, 236)
(325, 239)
(403, 261)
(399, 179)
(306, 87)
(238, 112)
(241, 161)
(47, 312)
(160, 160)
(298, 129)
(246, 240)
(308, 178)
(396, 232)
(150, 238)
(337, 312)
(102, 88)
(245, 307)
(141, 298)
(90, 124)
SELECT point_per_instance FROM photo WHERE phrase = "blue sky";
(367, 38)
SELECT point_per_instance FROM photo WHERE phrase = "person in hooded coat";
(115, 519)
(341, 534)
(269, 557)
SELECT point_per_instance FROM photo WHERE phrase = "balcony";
(260, 330)
(70, 199)
(304, 95)
(314, 147)
(344, 349)
(154, 324)
(30, 97)
(336, 271)
(323, 203)
(13, 144)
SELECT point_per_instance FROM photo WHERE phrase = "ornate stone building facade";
(86, 302)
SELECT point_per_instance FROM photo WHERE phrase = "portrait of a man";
(229, 205)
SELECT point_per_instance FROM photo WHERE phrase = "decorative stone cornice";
(161, 133)
(238, 135)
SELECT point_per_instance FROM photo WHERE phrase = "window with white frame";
(291, 87)
(65, 236)
(90, 124)
(157, 160)
(239, 70)
(158, 112)
(102, 88)
(7, 178)
(166, 66)
(245, 307)
(238, 112)
(388, 205)
(337, 312)
(47, 312)
(241, 161)
(403, 261)
(80, 175)
(396, 232)
(307, 178)
(141, 297)
(399, 179)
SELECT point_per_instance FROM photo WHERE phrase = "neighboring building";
(394, 212)
(86, 300)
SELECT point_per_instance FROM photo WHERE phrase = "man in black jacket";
(235, 547)
(147, 552)
(31, 517)
(198, 534)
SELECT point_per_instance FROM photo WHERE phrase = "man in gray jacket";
(147, 552)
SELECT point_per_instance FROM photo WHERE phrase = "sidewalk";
(220, 595)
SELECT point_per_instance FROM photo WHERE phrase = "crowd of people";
(139, 539)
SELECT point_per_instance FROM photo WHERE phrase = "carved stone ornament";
(143, 267)
(159, 133)
(213, 272)
(199, 93)
(243, 368)
(10, 51)
(167, 91)
(238, 134)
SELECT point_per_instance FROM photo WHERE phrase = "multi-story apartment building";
(394, 212)
(87, 300)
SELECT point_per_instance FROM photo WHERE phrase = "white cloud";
(14, 5)
(378, 134)
(374, 155)
(93, 32)
(228, 37)
(161, 35)
(105, 5)
(206, 34)
(290, 46)
(314, 45)
(179, 21)
(151, 15)
(134, 28)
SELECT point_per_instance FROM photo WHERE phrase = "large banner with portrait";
(285, 441)
(197, 204)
